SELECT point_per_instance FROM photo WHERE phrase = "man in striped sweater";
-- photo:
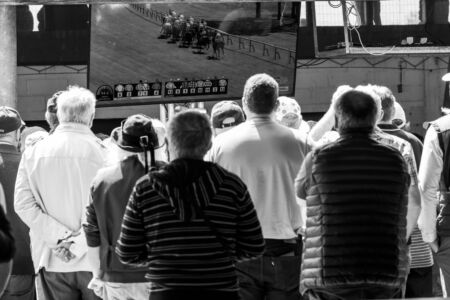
(190, 221)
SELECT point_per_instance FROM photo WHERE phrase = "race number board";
(138, 90)
(182, 88)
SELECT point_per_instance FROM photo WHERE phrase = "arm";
(131, 246)
(92, 233)
(43, 226)
(327, 122)
(324, 125)
(414, 208)
(302, 181)
(429, 176)
(414, 205)
(249, 237)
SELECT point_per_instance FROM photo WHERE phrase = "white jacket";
(52, 191)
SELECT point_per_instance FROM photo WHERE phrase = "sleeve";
(302, 181)
(7, 247)
(131, 246)
(411, 163)
(90, 225)
(249, 237)
(27, 208)
(429, 176)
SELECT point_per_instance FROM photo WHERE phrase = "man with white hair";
(52, 190)
(420, 281)
(267, 157)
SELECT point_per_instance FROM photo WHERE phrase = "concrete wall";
(421, 97)
(422, 89)
(35, 84)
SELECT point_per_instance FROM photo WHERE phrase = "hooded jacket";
(189, 222)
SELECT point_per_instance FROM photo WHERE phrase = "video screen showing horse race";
(196, 43)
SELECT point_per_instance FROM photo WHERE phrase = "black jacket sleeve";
(7, 247)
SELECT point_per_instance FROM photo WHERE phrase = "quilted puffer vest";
(356, 216)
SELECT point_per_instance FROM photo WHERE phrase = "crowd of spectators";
(251, 202)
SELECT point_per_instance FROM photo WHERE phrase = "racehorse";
(218, 44)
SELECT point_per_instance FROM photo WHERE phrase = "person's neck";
(251, 116)
(385, 122)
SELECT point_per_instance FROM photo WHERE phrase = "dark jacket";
(9, 164)
(110, 192)
(356, 225)
(189, 222)
(442, 127)
(7, 248)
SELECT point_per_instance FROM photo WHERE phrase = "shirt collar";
(73, 127)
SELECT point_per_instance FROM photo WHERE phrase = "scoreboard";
(206, 87)
(142, 89)
(158, 89)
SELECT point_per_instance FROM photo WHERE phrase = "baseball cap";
(133, 128)
(399, 118)
(288, 112)
(446, 77)
(226, 114)
(10, 119)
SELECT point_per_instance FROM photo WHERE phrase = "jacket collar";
(357, 131)
(8, 148)
(388, 127)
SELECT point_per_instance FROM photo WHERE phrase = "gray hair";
(260, 94)
(189, 134)
(387, 99)
(357, 108)
(76, 105)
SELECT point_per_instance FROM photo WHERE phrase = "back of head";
(356, 109)
(399, 117)
(52, 108)
(128, 136)
(189, 134)
(76, 105)
(226, 115)
(10, 123)
(37, 134)
(387, 102)
(288, 112)
(260, 94)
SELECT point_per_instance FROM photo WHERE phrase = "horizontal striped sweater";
(189, 223)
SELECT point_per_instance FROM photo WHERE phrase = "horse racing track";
(125, 46)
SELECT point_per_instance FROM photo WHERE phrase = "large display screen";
(196, 51)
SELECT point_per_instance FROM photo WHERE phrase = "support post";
(8, 56)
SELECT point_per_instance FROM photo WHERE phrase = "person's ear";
(381, 116)
(277, 104)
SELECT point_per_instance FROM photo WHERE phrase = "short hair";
(189, 133)
(260, 94)
(50, 112)
(387, 101)
(76, 105)
(356, 109)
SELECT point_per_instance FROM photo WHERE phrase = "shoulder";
(226, 176)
